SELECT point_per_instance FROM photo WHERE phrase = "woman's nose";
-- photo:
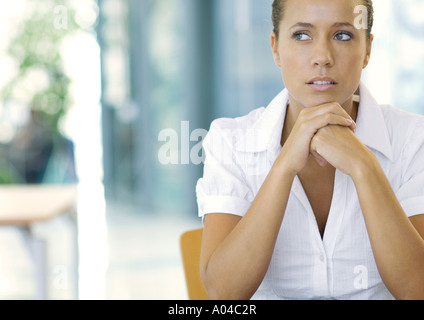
(322, 54)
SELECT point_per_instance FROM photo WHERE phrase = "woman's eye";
(301, 36)
(343, 36)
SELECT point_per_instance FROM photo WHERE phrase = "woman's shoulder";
(405, 128)
(399, 119)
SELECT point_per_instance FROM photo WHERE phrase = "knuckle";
(328, 117)
(304, 125)
(315, 144)
(303, 113)
(337, 109)
(335, 105)
(316, 141)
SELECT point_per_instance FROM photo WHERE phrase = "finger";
(330, 119)
(336, 108)
(325, 108)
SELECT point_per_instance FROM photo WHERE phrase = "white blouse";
(240, 153)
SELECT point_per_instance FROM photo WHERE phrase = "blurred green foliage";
(37, 46)
(40, 82)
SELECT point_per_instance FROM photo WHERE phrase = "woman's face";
(320, 51)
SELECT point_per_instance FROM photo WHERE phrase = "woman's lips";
(322, 85)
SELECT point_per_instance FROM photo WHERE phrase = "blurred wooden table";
(23, 206)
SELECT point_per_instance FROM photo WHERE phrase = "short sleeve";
(411, 191)
(223, 187)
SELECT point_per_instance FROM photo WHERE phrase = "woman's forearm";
(397, 246)
(238, 265)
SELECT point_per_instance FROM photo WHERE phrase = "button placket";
(320, 277)
(335, 219)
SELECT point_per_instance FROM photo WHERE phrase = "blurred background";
(115, 96)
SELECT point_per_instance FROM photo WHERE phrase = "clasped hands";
(326, 132)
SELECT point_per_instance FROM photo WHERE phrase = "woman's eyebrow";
(343, 24)
(311, 26)
(303, 25)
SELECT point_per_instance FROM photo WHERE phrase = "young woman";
(321, 194)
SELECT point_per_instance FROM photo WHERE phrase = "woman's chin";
(318, 102)
(309, 101)
(321, 100)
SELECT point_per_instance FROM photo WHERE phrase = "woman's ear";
(368, 53)
(274, 47)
